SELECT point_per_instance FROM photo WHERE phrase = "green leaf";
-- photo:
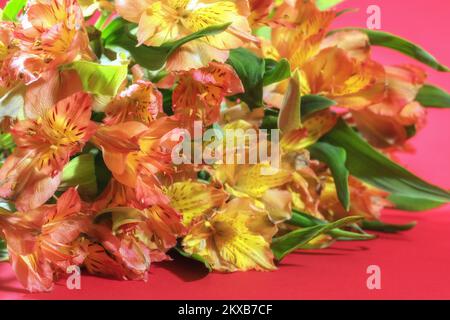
(387, 227)
(250, 69)
(314, 103)
(290, 242)
(432, 96)
(12, 9)
(3, 251)
(388, 40)
(326, 4)
(335, 158)
(6, 142)
(403, 202)
(80, 172)
(270, 120)
(100, 79)
(371, 166)
(276, 71)
(117, 35)
(304, 220)
(193, 257)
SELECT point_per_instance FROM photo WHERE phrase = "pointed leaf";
(335, 158)
(304, 220)
(290, 242)
(403, 202)
(387, 227)
(432, 96)
(315, 103)
(371, 166)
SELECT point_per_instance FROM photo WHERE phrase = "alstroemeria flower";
(138, 155)
(365, 200)
(261, 183)
(139, 102)
(169, 20)
(51, 33)
(384, 124)
(8, 46)
(31, 174)
(236, 238)
(194, 199)
(301, 24)
(199, 93)
(40, 240)
(338, 75)
(155, 228)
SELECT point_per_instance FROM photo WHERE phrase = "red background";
(414, 265)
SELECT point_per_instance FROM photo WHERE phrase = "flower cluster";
(98, 96)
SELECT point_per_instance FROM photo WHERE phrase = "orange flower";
(155, 228)
(384, 124)
(8, 46)
(139, 102)
(32, 173)
(169, 20)
(137, 155)
(200, 92)
(40, 240)
(301, 24)
(51, 33)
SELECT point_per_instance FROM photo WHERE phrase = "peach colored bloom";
(31, 174)
(169, 20)
(40, 240)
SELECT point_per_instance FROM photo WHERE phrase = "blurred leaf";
(290, 242)
(195, 257)
(6, 142)
(270, 120)
(371, 166)
(304, 220)
(335, 158)
(387, 227)
(276, 71)
(100, 79)
(102, 173)
(80, 171)
(117, 35)
(403, 202)
(432, 96)
(12, 9)
(250, 70)
(327, 4)
(315, 103)
(388, 40)
(3, 251)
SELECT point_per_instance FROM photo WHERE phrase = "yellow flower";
(236, 238)
(258, 183)
(169, 20)
(194, 199)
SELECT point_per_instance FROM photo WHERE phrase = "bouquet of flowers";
(230, 132)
